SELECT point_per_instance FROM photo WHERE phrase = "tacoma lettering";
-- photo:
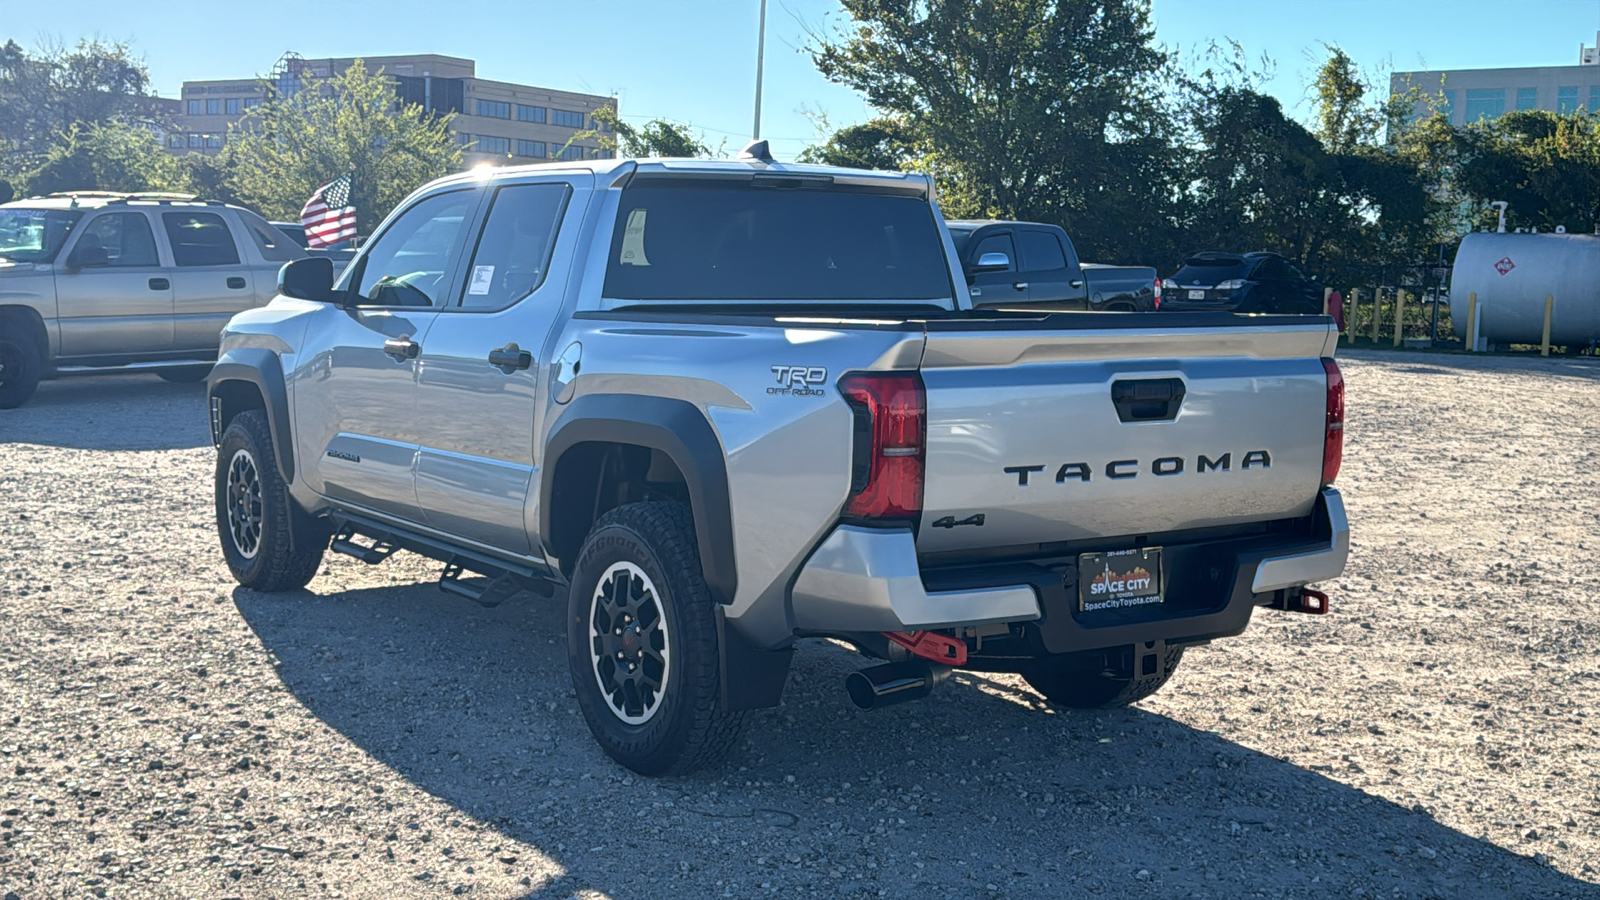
(1120, 469)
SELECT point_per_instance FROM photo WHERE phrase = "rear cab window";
(774, 239)
(200, 239)
(1211, 270)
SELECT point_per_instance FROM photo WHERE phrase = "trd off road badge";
(799, 381)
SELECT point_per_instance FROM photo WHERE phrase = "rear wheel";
(1079, 683)
(642, 643)
(267, 541)
(21, 366)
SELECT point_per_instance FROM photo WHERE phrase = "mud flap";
(752, 678)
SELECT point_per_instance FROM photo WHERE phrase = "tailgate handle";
(1147, 399)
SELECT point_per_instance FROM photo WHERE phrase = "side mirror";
(83, 257)
(307, 279)
(992, 262)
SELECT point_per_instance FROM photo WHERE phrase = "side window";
(275, 246)
(996, 243)
(200, 239)
(406, 265)
(126, 237)
(514, 249)
(1041, 252)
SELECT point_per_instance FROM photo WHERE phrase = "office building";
(495, 121)
(1471, 95)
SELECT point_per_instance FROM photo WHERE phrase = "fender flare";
(678, 429)
(260, 367)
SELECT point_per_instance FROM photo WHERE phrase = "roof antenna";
(756, 150)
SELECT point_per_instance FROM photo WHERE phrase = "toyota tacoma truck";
(721, 406)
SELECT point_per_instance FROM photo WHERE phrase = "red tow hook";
(936, 647)
(1313, 602)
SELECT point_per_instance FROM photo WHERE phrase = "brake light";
(890, 434)
(1157, 291)
(1333, 433)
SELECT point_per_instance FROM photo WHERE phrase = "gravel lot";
(165, 734)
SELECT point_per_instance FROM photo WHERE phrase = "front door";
(355, 384)
(478, 378)
(209, 281)
(123, 307)
(1000, 284)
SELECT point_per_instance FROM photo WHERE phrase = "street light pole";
(761, 50)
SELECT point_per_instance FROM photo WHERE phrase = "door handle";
(236, 283)
(1075, 283)
(1021, 285)
(159, 284)
(402, 348)
(510, 358)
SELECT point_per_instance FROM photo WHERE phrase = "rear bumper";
(868, 580)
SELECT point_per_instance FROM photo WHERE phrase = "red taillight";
(1333, 434)
(891, 423)
(1158, 292)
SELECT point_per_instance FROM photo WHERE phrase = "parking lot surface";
(164, 733)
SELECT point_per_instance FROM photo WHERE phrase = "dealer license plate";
(1119, 579)
(1197, 295)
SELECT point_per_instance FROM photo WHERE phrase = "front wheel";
(21, 367)
(642, 643)
(268, 543)
(1086, 684)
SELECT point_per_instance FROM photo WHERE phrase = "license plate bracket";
(1119, 579)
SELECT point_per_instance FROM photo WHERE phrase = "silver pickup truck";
(722, 406)
(104, 282)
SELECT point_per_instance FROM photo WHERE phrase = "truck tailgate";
(1025, 436)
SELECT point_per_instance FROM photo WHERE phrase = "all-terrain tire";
(268, 542)
(21, 365)
(642, 643)
(185, 375)
(1076, 687)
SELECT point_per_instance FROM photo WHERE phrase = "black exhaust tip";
(893, 683)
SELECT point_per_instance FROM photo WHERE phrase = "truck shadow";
(979, 785)
(111, 412)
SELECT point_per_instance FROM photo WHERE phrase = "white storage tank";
(1512, 273)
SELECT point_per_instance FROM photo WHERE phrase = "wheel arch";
(573, 474)
(28, 318)
(252, 378)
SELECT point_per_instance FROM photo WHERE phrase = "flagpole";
(761, 50)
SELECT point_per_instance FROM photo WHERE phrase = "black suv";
(1241, 282)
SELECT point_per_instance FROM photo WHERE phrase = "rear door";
(998, 285)
(478, 373)
(209, 280)
(123, 307)
(1040, 431)
(1051, 270)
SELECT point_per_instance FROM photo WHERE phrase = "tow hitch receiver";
(1305, 600)
(932, 646)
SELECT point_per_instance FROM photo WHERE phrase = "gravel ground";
(166, 734)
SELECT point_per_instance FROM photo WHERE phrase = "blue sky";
(694, 60)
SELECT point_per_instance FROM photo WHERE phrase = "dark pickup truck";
(1015, 263)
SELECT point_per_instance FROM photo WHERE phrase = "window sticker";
(633, 240)
(482, 280)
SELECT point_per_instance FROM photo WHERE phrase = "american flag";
(328, 217)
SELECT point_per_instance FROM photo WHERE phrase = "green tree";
(656, 138)
(883, 143)
(284, 149)
(1050, 110)
(1545, 165)
(44, 93)
(1345, 118)
(106, 156)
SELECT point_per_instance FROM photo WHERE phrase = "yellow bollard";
(1399, 315)
(1472, 322)
(1350, 314)
(1377, 312)
(1326, 293)
(1549, 307)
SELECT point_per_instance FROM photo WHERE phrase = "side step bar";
(504, 578)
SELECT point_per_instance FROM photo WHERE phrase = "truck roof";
(610, 171)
